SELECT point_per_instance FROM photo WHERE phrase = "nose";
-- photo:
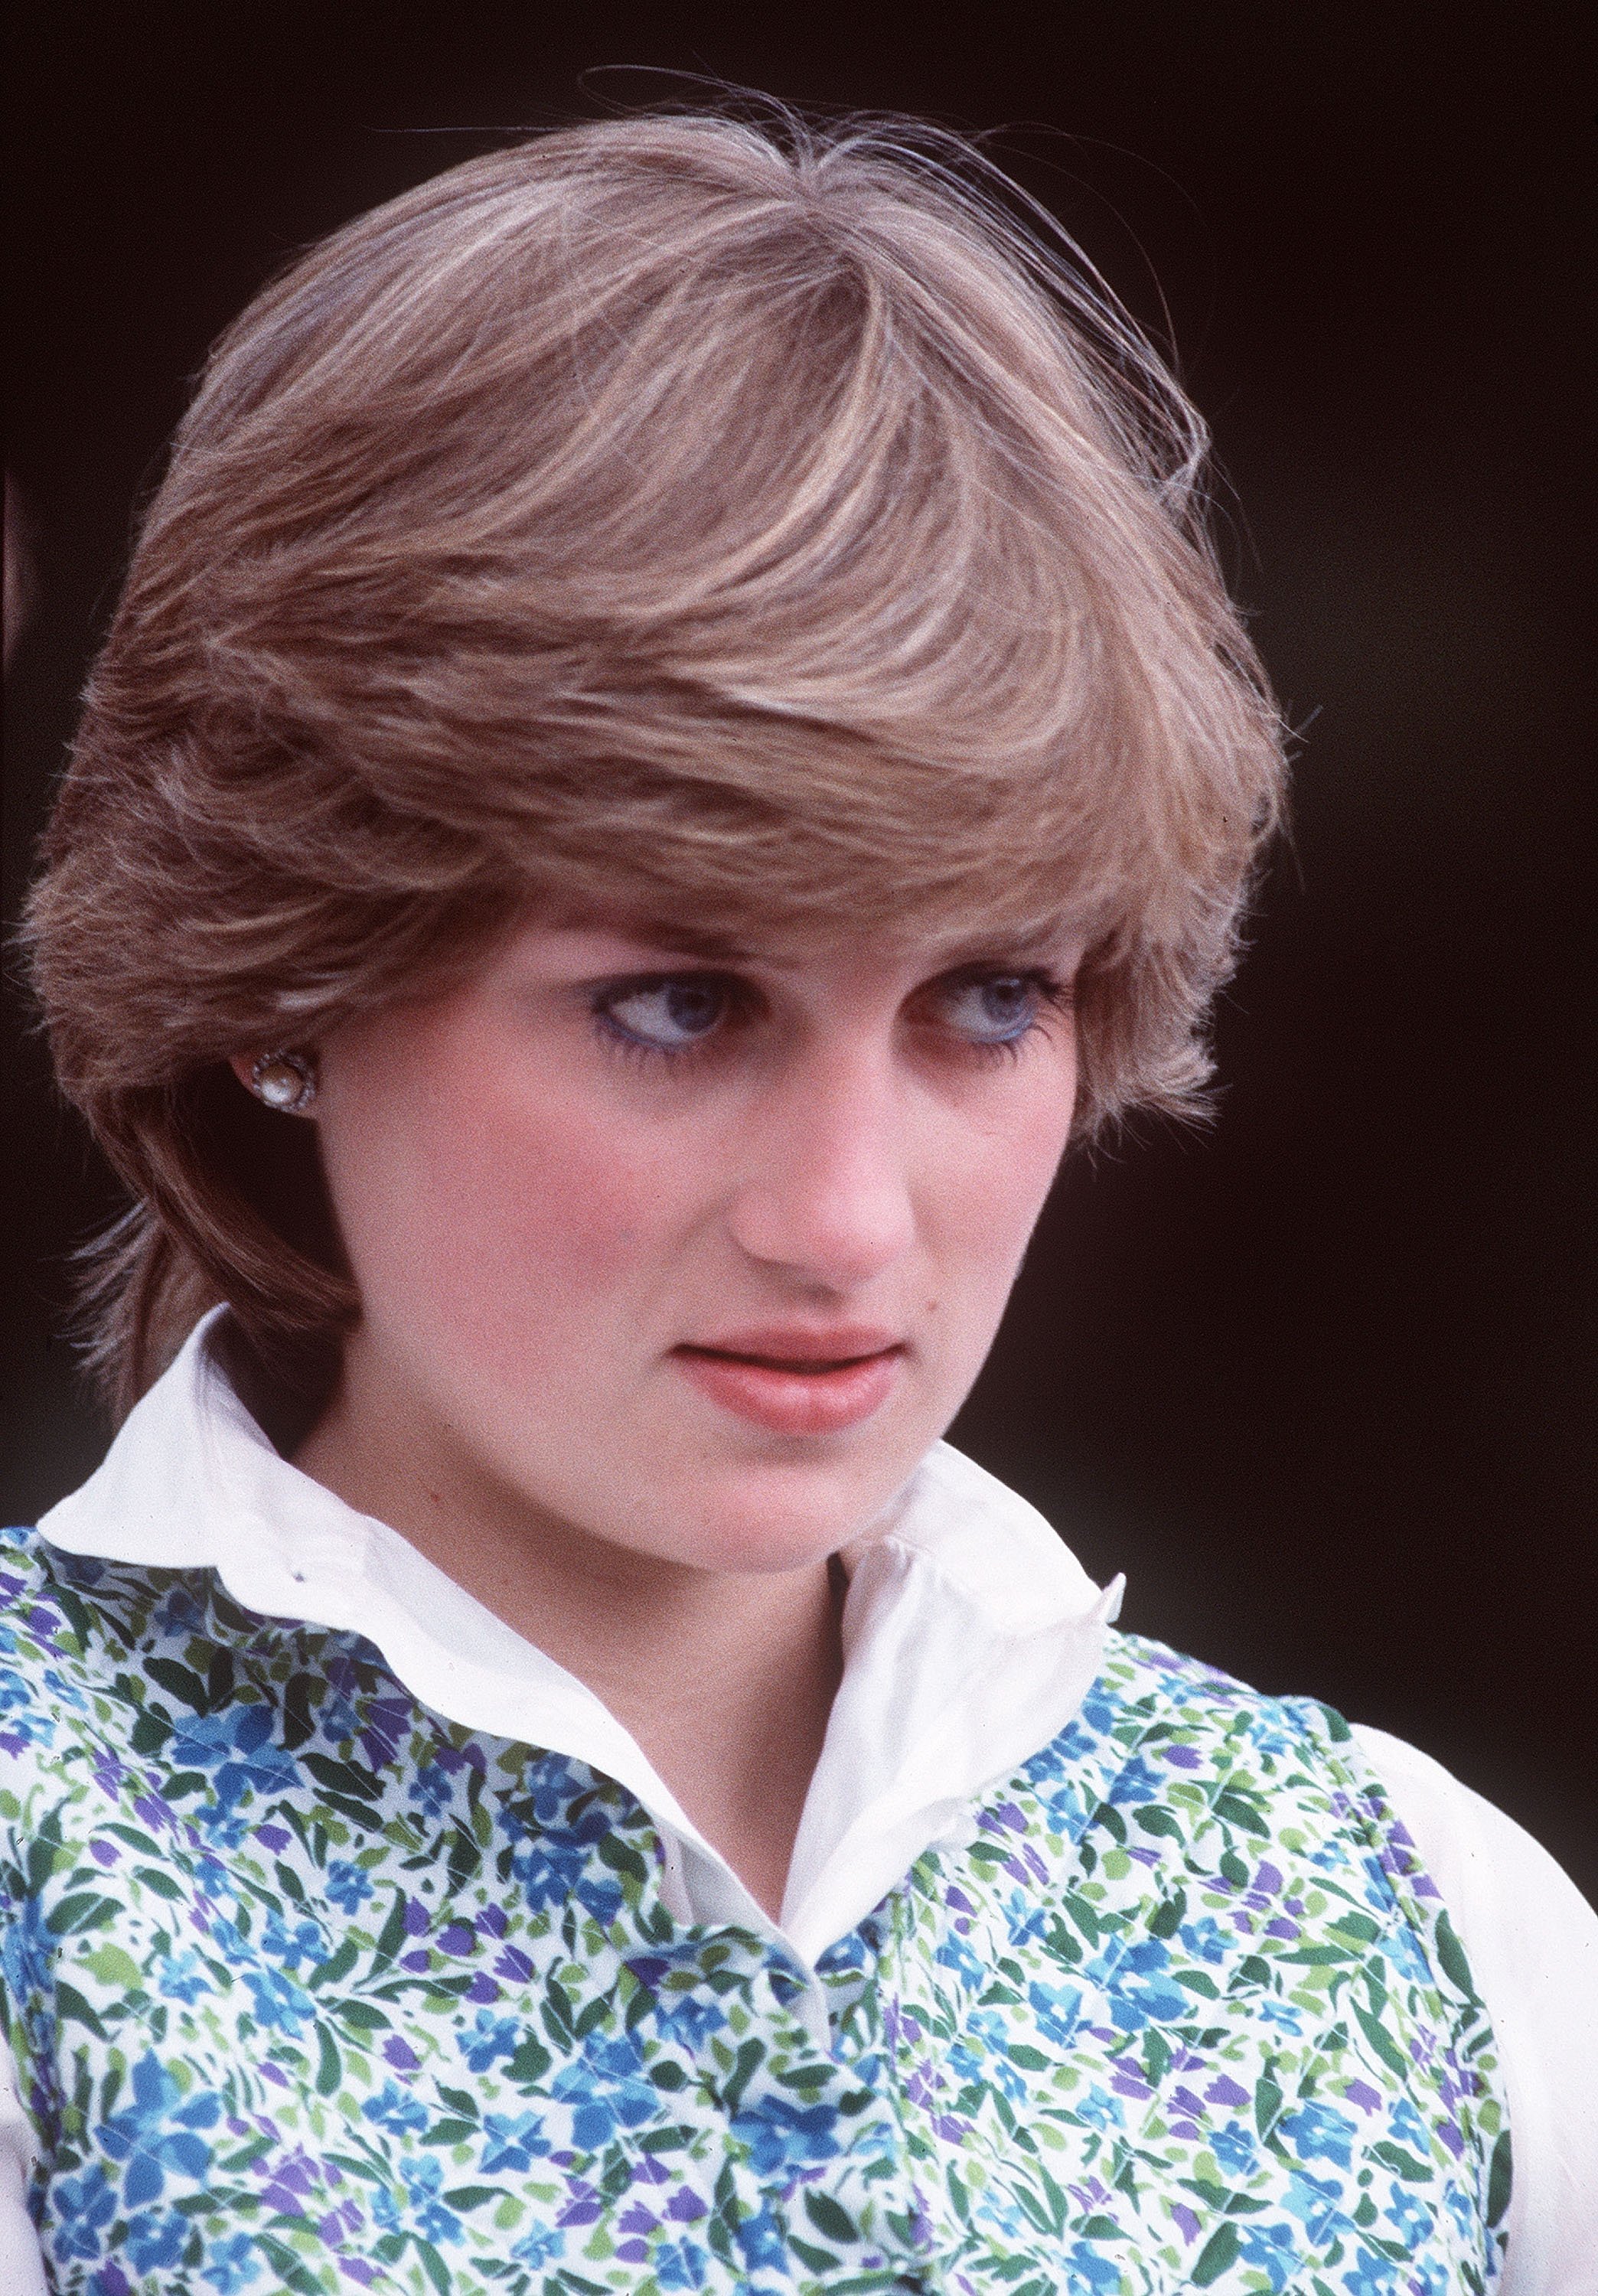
(826, 1193)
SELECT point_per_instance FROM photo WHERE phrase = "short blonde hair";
(732, 516)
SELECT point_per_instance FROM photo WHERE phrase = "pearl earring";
(285, 1081)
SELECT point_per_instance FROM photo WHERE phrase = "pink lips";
(797, 1383)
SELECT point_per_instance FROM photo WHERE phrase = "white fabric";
(1532, 1941)
(971, 1636)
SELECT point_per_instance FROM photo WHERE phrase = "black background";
(1319, 1381)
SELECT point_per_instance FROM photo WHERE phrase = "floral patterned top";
(314, 1989)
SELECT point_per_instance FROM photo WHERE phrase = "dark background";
(1317, 1382)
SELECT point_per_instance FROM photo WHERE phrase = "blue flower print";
(953, 1953)
(1410, 2130)
(349, 1886)
(1317, 2133)
(690, 2019)
(513, 2141)
(85, 2205)
(424, 2181)
(1372, 2275)
(155, 2242)
(290, 1946)
(1272, 2249)
(280, 2004)
(1059, 2010)
(394, 2108)
(181, 1976)
(1317, 2203)
(761, 2241)
(237, 1745)
(544, 2244)
(680, 2264)
(232, 2263)
(1409, 2215)
(1145, 1991)
(608, 2091)
(781, 2136)
(1234, 2147)
(967, 2065)
(177, 1615)
(491, 2039)
(28, 1948)
(156, 2132)
(600, 1896)
(1090, 2271)
(1137, 1783)
(432, 1789)
(1098, 2109)
(1206, 1939)
(338, 1719)
(547, 1871)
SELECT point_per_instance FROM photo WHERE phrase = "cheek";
(484, 1204)
(992, 1190)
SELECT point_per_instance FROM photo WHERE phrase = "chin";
(782, 1518)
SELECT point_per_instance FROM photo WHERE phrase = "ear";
(242, 1063)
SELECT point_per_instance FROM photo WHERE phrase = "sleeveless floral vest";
(311, 1991)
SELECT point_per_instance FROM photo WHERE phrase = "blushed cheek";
(504, 1223)
(542, 1230)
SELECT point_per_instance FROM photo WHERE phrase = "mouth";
(797, 1384)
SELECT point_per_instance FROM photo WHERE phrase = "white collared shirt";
(971, 1636)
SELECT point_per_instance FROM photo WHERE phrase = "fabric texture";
(314, 1988)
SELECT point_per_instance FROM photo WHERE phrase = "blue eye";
(996, 1011)
(668, 1013)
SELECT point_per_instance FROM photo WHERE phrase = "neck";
(725, 1679)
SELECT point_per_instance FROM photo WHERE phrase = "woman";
(671, 734)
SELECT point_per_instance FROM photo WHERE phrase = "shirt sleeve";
(22, 2267)
(1532, 1942)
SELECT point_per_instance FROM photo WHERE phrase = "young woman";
(671, 735)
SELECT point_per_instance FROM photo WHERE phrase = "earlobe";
(283, 1080)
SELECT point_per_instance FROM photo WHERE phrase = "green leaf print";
(828, 2218)
(330, 2067)
(1218, 2254)
(1452, 1955)
(544, 2082)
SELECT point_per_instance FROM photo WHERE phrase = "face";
(696, 1250)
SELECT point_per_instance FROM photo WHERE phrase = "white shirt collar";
(970, 1636)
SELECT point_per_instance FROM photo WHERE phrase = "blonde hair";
(733, 515)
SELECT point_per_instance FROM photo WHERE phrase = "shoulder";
(1532, 1943)
(1179, 1744)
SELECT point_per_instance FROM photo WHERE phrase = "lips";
(797, 1383)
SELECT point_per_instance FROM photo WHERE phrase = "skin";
(609, 1151)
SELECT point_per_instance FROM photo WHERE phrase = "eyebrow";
(677, 939)
(715, 944)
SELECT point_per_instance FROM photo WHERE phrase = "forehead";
(931, 943)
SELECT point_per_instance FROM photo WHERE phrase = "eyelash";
(620, 1041)
(1055, 998)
